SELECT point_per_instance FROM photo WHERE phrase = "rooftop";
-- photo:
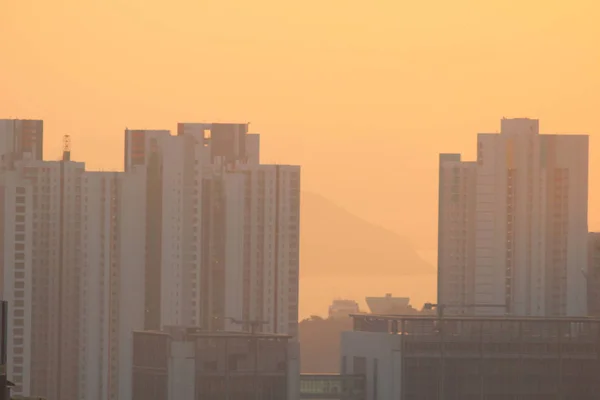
(392, 317)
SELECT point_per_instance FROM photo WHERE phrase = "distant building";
(21, 139)
(521, 214)
(458, 358)
(342, 308)
(187, 364)
(389, 305)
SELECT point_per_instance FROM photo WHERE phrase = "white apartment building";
(530, 222)
(229, 240)
(456, 233)
(222, 230)
(112, 280)
(41, 226)
(195, 232)
(16, 271)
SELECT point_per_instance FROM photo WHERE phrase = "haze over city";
(278, 164)
(363, 96)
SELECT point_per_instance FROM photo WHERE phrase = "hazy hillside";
(334, 241)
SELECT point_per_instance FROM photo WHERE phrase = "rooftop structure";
(388, 304)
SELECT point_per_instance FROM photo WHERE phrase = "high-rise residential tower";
(222, 228)
(195, 232)
(530, 242)
(42, 265)
(456, 234)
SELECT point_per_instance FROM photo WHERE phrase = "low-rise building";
(186, 364)
(463, 358)
(340, 308)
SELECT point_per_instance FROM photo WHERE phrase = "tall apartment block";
(222, 229)
(456, 230)
(195, 232)
(41, 237)
(530, 223)
(222, 232)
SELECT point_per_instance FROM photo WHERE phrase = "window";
(359, 366)
(375, 372)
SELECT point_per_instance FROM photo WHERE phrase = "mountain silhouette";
(337, 242)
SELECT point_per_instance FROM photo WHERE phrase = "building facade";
(21, 139)
(593, 274)
(456, 233)
(530, 224)
(41, 238)
(186, 364)
(463, 358)
(222, 229)
(194, 232)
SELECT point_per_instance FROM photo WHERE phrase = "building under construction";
(464, 358)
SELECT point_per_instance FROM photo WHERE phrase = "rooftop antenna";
(66, 148)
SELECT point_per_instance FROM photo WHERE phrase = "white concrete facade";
(79, 267)
(377, 356)
(16, 270)
(531, 205)
(456, 233)
(112, 279)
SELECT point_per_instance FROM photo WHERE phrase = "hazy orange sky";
(363, 94)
